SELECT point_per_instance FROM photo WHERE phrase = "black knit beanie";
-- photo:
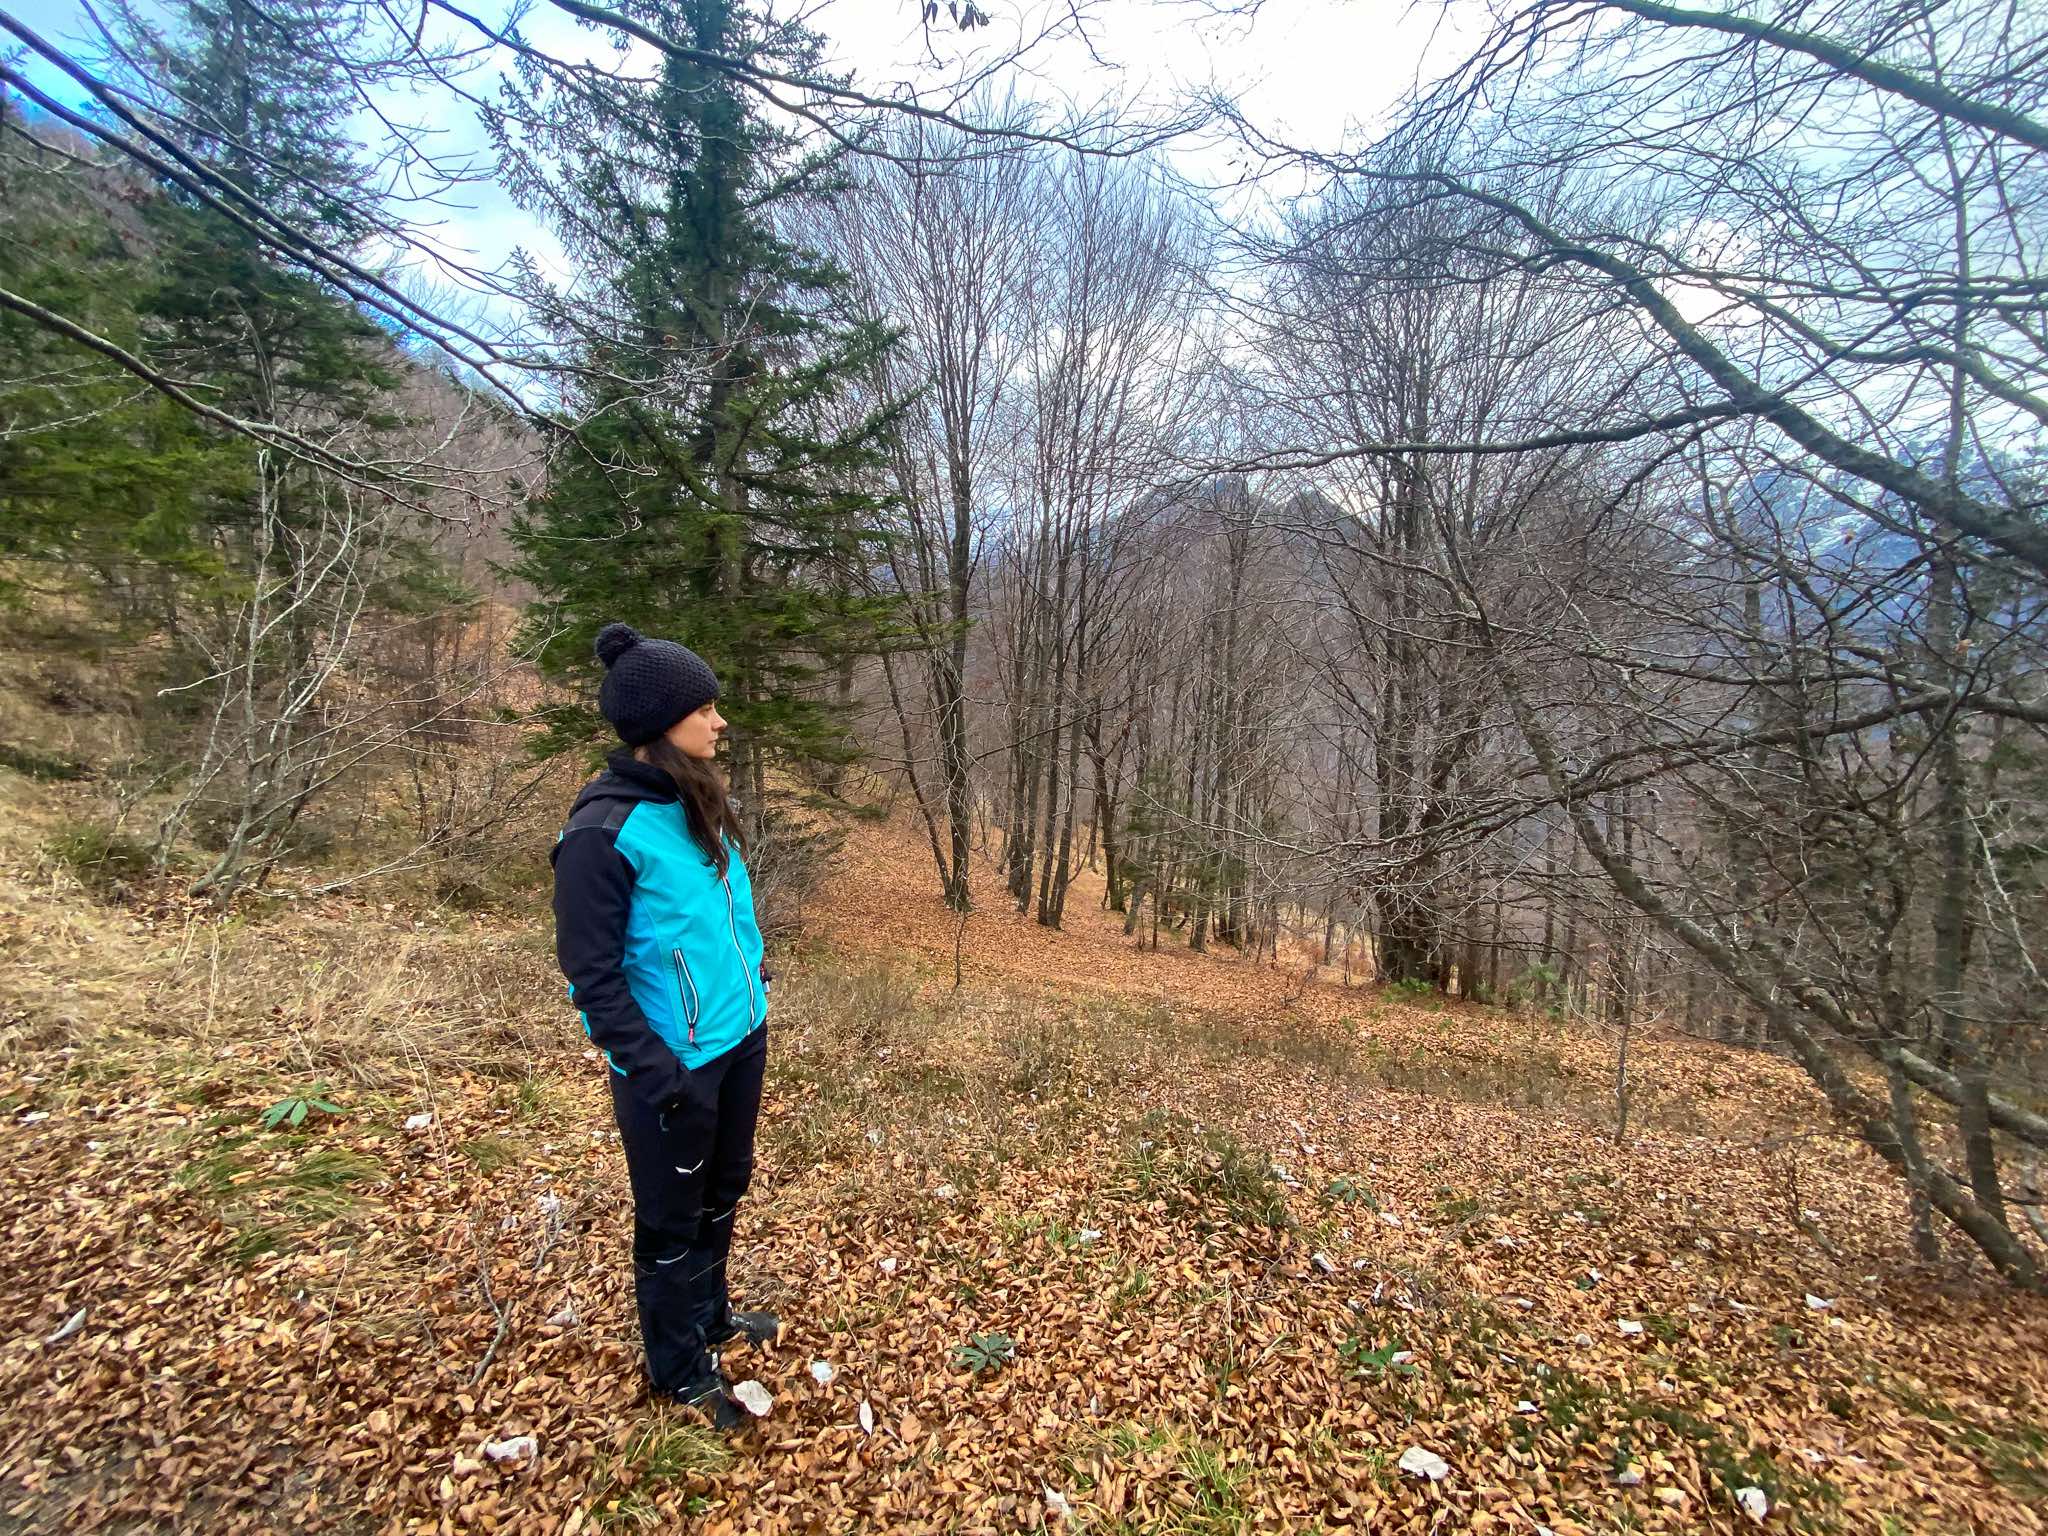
(649, 684)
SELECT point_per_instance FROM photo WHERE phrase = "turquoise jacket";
(662, 952)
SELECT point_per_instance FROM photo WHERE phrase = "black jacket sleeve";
(593, 888)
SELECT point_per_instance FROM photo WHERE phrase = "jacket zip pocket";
(686, 985)
(739, 954)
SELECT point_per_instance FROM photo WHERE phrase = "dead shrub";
(1040, 1056)
(844, 1015)
(787, 863)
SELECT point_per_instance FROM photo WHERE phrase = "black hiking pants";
(689, 1166)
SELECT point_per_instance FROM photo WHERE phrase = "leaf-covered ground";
(1109, 1241)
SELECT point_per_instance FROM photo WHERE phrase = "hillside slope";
(1120, 1242)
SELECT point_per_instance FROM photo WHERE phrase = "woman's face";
(696, 735)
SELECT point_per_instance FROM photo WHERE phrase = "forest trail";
(1105, 1241)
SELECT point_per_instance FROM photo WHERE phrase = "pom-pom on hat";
(649, 684)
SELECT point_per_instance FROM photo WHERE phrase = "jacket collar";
(627, 778)
(653, 782)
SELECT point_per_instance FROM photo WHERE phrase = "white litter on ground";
(1417, 1462)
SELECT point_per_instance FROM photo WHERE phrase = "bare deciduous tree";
(944, 241)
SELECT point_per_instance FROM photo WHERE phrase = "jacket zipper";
(688, 990)
(732, 923)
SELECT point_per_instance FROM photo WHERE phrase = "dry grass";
(857, 1044)
(885, 902)
(338, 993)
(863, 1046)
(65, 690)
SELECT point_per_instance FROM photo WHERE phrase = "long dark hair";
(701, 788)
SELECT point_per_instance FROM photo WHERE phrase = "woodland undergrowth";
(317, 1214)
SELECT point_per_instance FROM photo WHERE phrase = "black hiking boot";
(761, 1328)
(710, 1395)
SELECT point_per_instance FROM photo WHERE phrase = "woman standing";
(654, 927)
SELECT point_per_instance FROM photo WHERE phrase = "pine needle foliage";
(725, 488)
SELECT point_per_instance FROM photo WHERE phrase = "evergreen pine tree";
(725, 490)
(97, 480)
(231, 82)
(299, 557)
(96, 474)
